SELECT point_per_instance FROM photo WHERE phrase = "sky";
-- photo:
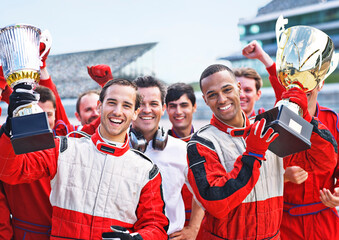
(191, 34)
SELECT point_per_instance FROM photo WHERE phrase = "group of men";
(217, 182)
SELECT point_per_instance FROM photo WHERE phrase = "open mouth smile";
(115, 120)
(146, 118)
(226, 107)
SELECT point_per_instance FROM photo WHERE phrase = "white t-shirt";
(172, 163)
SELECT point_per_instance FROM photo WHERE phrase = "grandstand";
(321, 14)
(69, 71)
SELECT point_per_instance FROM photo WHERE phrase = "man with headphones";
(167, 152)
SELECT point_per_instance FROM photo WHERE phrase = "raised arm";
(23, 168)
(46, 81)
(254, 51)
(100, 73)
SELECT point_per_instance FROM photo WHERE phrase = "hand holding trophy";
(305, 58)
(19, 54)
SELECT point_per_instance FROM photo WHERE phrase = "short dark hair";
(149, 81)
(121, 82)
(249, 73)
(46, 94)
(214, 68)
(77, 105)
(176, 90)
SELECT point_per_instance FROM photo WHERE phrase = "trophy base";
(31, 133)
(294, 131)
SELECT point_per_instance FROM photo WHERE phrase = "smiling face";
(151, 110)
(117, 111)
(248, 95)
(221, 93)
(180, 113)
(88, 111)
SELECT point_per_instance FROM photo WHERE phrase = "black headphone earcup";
(137, 141)
(160, 139)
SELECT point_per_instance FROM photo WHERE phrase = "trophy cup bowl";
(305, 58)
(21, 62)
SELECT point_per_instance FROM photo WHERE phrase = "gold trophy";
(305, 58)
(19, 54)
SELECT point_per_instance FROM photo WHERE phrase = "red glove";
(100, 73)
(257, 142)
(3, 82)
(43, 58)
(298, 96)
(6, 93)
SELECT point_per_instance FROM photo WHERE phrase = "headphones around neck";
(139, 143)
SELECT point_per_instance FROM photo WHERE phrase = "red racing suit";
(242, 196)
(94, 185)
(6, 231)
(29, 202)
(305, 217)
(30, 208)
(242, 199)
(330, 119)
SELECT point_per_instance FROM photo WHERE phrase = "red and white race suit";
(94, 185)
(242, 196)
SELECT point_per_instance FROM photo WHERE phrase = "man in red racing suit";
(95, 182)
(305, 216)
(242, 199)
(29, 202)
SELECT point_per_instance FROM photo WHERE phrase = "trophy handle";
(333, 66)
(280, 27)
(46, 38)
